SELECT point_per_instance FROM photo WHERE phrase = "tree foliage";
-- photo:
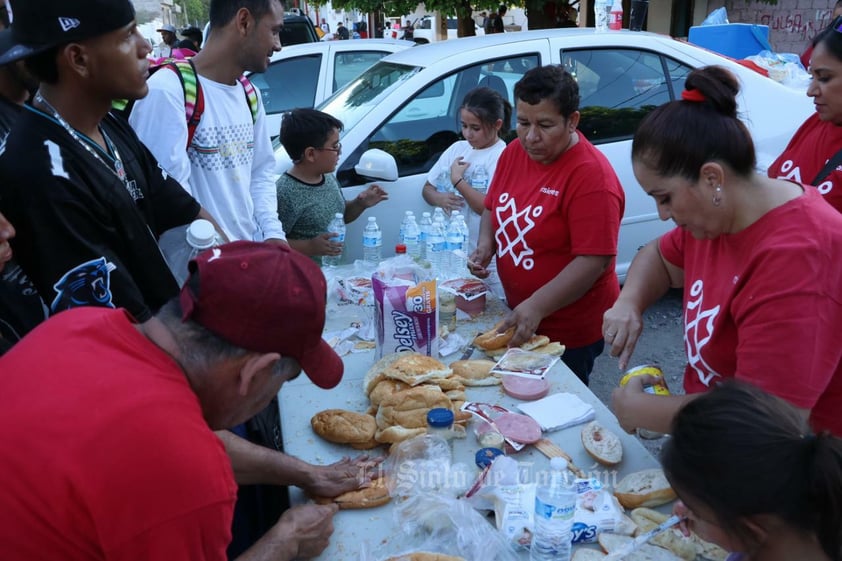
(196, 12)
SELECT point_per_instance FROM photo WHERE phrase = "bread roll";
(491, 340)
(415, 368)
(535, 342)
(344, 427)
(384, 388)
(603, 445)
(474, 372)
(555, 348)
(647, 552)
(395, 434)
(408, 408)
(375, 495)
(583, 554)
(375, 373)
(647, 519)
(644, 488)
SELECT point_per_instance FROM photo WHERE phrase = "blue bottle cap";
(440, 418)
(485, 456)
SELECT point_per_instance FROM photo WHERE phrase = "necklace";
(94, 149)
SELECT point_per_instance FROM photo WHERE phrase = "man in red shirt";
(118, 459)
(552, 217)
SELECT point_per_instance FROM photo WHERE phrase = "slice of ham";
(527, 389)
(519, 428)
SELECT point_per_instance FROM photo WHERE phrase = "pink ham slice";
(527, 389)
(519, 428)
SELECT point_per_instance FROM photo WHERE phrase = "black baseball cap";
(39, 25)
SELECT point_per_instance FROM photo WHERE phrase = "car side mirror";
(377, 164)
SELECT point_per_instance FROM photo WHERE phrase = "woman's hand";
(525, 319)
(479, 260)
(621, 328)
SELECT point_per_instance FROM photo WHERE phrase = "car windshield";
(361, 95)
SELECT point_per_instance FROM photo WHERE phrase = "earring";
(717, 196)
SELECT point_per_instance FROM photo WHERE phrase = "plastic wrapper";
(442, 524)
(717, 17)
(597, 511)
(405, 316)
(423, 465)
(785, 68)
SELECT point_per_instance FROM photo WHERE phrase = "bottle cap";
(201, 234)
(371, 218)
(440, 417)
(558, 464)
(400, 249)
(339, 216)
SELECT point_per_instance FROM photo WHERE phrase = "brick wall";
(792, 23)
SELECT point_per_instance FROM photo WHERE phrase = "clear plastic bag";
(717, 17)
(785, 68)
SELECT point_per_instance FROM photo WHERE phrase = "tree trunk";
(466, 25)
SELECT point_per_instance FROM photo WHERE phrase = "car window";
(618, 87)
(428, 122)
(347, 65)
(289, 83)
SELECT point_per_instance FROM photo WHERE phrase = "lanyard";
(118, 169)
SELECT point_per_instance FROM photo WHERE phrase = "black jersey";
(84, 236)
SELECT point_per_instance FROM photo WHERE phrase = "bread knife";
(643, 538)
(470, 349)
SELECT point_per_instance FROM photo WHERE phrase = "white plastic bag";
(717, 17)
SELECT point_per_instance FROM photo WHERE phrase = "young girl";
(754, 479)
(485, 115)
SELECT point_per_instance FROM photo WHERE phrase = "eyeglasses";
(336, 148)
(836, 24)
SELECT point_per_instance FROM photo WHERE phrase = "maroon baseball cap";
(266, 298)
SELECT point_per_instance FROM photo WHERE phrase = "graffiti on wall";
(794, 22)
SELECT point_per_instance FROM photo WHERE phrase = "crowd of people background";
(86, 195)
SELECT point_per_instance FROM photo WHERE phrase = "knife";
(470, 349)
(643, 538)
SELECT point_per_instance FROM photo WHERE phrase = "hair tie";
(693, 95)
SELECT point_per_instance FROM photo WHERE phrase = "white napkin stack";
(558, 411)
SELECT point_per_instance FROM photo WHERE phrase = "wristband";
(461, 179)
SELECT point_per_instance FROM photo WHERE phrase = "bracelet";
(461, 179)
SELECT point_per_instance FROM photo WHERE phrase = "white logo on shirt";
(698, 332)
(68, 23)
(217, 253)
(548, 191)
(514, 225)
(792, 172)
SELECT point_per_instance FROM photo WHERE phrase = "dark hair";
(502, 9)
(222, 11)
(741, 452)
(488, 106)
(551, 82)
(302, 128)
(677, 138)
(830, 37)
(44, 65)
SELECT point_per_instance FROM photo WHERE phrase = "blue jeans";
(580, 360)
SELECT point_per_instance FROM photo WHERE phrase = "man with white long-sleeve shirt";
(228, 165)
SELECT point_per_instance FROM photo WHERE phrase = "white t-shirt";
(229, 166)
(487, 157)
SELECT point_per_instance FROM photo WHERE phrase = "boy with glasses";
(308, 194)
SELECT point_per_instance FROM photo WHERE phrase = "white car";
(407, 105)
(306, 74)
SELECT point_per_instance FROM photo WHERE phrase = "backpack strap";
(251, 96)
(194, 98)
(828, 167)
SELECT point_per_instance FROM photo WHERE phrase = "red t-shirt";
(764, 305)
(106, 453)
(545, 215)
(813, 144)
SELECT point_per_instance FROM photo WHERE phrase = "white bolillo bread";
(415, 368)
(344, 427)
(647, 552)
(491, 339)
(687, 548)
(474, 372)
(408, 408)
(603, 445)
(648, 487)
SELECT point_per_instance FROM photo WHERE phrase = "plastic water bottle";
(424, 228)
(436, 246)
(411, 235)
(615, 17)
(181, 245)
(479, 179)
(555, 503)
(336, 225)
(372, 242)
(600, 9)
(443, 182)
(455, 243)
(406, 217)
(466, 234)
(438, 212)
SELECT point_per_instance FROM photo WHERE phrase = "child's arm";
(447, 201)
(320, 245)
(367, 199)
